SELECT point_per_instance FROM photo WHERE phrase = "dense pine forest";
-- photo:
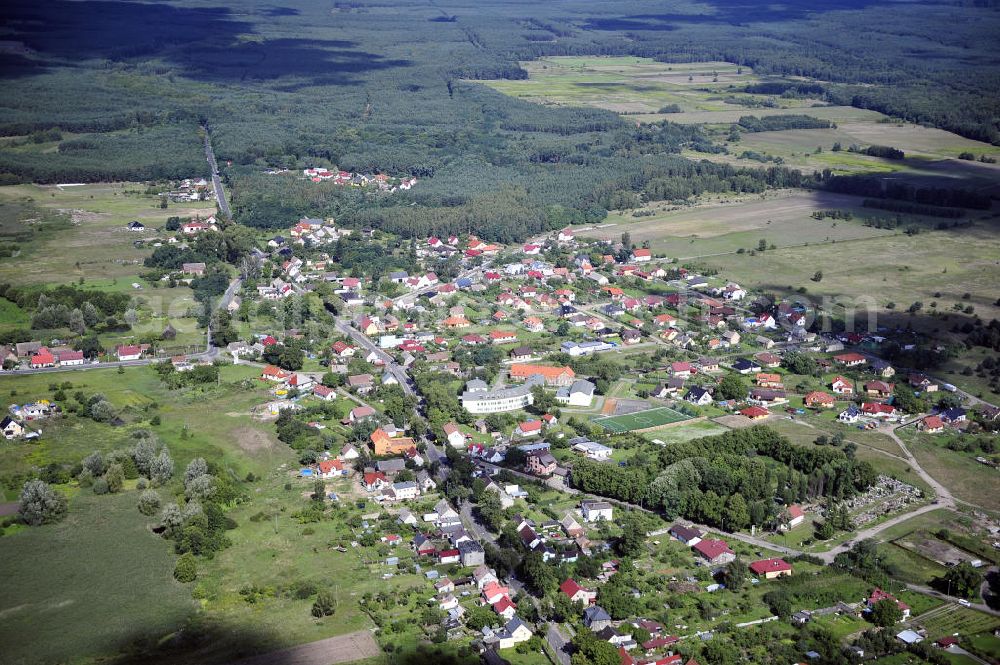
(375, 86)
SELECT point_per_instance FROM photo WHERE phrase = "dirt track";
(341, 649)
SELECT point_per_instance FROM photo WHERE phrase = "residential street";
(220, 193)
(559, 643)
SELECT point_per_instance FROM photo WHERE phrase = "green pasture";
(95, 244)
(726, 225)
(627, 85)
(897, 269)
(209, 421)
(98, 582)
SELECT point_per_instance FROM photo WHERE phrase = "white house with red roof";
(878, 410)
(324, 393)
(129, 352)
(456, 438)
(878, 594)
(300, 382)
(342, 349)
(641, 256)
(503, 337)
(449, 556)
(197, 226)
(850, 359)
(842, 386)
(69, 358)
(769, 569)
(577, 593)
(494, 591)
(331, 468)
(681, 370)
(932, 424)
(505, 607)
(715, 552)
(528, 428)
(276, 374)
(794, 516)
(43, 358)
(374, 481)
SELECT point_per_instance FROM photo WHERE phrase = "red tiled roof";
(755, 412)
(712, 548)
(933, 422)
(326, 466)
(570, 587)
(660, 642)
(769, 566)
(503, 604)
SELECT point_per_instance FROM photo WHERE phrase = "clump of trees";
(729, 480)
(774, 123)
(40, 504)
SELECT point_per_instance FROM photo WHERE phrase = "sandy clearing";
(252, 440)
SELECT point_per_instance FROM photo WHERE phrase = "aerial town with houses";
(494, 408)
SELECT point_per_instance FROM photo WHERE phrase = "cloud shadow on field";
(208, 44)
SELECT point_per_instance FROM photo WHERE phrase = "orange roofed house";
(554, 376)
(390, 445)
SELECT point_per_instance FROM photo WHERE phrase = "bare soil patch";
(252, 440)
(734, 421)
(358, 645)
(931, 548)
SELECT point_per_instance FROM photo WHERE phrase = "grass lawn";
(96, 245)
(911, 566)
(211, 421)
(961, 473)
(686, 432)
(12, 317)
(842, 625)
(92, 584)
(626, 84)
(970, 358)
(898, 269)
(727, 224)
(986, 645)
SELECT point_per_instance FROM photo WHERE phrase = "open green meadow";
(626, 84)
(710, 94)
(98, 582)
(12, 317)
(898, 269)
(960, 472)
(726, 224)
(986, 645)
(657, 417)
(812, 150)
(686, 432)
(95, 244)
(210, 421)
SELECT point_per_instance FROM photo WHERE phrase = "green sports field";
(642, 420)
